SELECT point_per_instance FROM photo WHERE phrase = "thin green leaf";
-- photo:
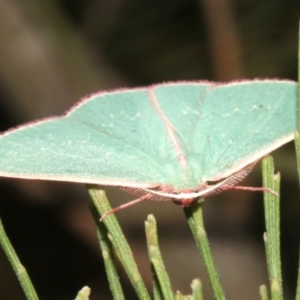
(83, 294)
(194, 217)
(297, 144)
(272, 235)
(263, 292)
(179, 296)
(119, 242)
(157, 292)
(18, 268)
(297, 140)
(108, 258)
(197, 290)
(298, 282)
(156, 259)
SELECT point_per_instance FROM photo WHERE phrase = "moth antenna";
(142, 192)
(134, 191)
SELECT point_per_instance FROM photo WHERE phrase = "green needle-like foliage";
(18, 268)
(297, 144)
(108, 257)
(83, 294)
(194, 217)
(160, 276)
(272, 234)
(263, 291)
(197, 290)
(119, 242)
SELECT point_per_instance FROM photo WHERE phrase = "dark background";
(52, 53)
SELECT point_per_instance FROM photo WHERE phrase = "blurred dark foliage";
(52, 53)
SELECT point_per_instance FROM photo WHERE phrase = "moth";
(175, 141)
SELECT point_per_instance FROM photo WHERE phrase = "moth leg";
(138, 200)
(254, 189)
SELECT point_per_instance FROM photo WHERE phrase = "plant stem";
(18, 268)
(83, 294)
(272, 235)
(194, 217)
(297, 144)
(160, 276)
(108, 258)
(179, 296)
(263, 291)
(119, 242)
(197, 289)
(298, 282)
(157, 292)
(297, 139)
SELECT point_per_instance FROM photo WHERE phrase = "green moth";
(175, 141)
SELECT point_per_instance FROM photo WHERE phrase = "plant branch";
(108, 257)
(160, 276)
(197, 289)
(272, 234)
(119, 242)
(297, 144)
(194, 217)
(18, 268)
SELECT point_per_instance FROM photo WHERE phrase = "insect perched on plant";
(176, 141)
